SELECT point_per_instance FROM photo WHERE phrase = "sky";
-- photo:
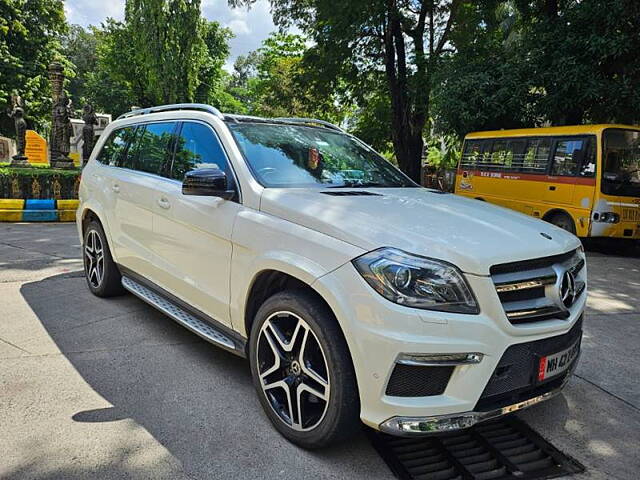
(250, 26)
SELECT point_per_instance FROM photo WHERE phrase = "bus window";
(572, 158)
(472, 153)
(499, 153)
(536, 156)
(588, 164)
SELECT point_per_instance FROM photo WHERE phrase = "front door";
(193, 233)
(564, 168)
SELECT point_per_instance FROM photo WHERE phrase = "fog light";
(408, 425)
(439, 359)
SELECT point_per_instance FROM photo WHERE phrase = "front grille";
(527, 289)
(631, 214)
(515, 376)
(418, 381)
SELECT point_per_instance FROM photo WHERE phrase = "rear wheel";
(302, 370)
(564, 221)
(102, 274)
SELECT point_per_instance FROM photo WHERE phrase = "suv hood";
(471, 234)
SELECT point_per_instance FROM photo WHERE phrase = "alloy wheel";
(94, 258)
(293, 371)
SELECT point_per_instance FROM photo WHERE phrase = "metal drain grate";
(498, 450)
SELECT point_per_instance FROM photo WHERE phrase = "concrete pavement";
(93, 388)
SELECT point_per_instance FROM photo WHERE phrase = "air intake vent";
(417, 381)
(352, 193)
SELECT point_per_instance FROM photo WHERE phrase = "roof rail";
(176, 106)
(282, 120)
(307, 121)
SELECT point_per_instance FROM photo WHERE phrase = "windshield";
(299, 156)
(621, 159)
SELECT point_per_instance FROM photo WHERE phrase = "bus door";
(565, 159)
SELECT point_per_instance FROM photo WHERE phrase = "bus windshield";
(621, 161)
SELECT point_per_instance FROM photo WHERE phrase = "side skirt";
(202, 325)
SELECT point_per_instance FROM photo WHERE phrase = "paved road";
(93, 388)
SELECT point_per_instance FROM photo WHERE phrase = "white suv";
(354, 293)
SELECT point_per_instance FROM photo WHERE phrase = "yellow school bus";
(585, 179)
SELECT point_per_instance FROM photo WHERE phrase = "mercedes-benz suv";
(355, 294)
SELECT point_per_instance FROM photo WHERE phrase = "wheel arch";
(549, 214)
(88, 214)
(270, 281)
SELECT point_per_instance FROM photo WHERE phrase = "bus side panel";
(525, 194)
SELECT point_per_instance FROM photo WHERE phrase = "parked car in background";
(355, 294)
(584, 179)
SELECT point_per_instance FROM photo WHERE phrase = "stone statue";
(61, 132)
(90, 119)
(17, 114)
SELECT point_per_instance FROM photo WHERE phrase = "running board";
(197, 326)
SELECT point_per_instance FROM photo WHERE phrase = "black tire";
(563, 221)
(104, 281)
(341, 417)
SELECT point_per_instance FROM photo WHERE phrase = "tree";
(484, 84)
(583, 58)
(79, 48)
(29, 41)
(405, 39)
(274, 81)
(167, 47)
(215, 38)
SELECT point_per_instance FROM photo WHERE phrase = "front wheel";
(302, 370)
(563, 221)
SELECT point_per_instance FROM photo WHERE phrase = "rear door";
(135, 185)
(193, 233)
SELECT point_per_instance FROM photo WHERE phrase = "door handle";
(552, 187)
(164, 203)
(116, 188)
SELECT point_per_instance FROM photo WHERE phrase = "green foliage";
(527, 63)
(35, 171)
(166, 46)
(29, 41)
(443, 152)
(79, 48)
(274, 81)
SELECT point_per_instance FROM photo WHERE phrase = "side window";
(154, 145)
(128, 160)
(198, 147)
(587, 167)
(574, 157)
(472, 153)
(115, 146)
(499, 153)
(536, 155)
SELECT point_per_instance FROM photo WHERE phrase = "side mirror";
(207, 182)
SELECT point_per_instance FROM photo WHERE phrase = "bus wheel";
(563, 221)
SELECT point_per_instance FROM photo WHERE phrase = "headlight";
(417, 282)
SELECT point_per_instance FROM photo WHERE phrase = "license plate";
(555, 364)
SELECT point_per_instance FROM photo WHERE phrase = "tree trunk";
(407, 120)
(408, 146)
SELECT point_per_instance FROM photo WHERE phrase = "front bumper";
(412, 426)
(379, 333)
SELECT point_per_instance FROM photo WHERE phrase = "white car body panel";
(470, 234)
